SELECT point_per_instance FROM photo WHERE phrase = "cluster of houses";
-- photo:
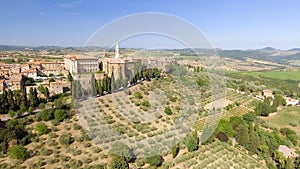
(269, 94)
(12, 75)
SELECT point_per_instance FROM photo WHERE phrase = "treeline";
(111, 84)
(247, 132)
(17, 102)
(265, 108)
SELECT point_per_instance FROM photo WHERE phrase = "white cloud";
(65, 5)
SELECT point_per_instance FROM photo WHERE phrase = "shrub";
(154, 160)
(65, 139)
(294, 124)
(76, 126)
(41, 128)
(17, 152)
(138, 95)
(60, 115)
(222, 137)
(192, 142)
(146, 103)
(168, 110)
(119, 163)
(45, 115)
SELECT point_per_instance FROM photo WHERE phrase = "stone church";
(119, 67)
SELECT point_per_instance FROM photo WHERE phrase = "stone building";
(267, 93)
(15, 83)
(59, 87)
(121, 68)
(30, 73)
(81, 64)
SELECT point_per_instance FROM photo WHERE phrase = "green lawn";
(285, 75)
(283, 117)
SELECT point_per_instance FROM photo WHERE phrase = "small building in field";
(287, 152)
(290, 101)
(267, 93)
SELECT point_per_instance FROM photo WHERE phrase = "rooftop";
(29, 71)
(81, 57)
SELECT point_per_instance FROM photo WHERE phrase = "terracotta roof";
(114, 60)
(15, 79)
(81, 57)
(29, 71)
(54, 62)
(23, 65)
(267, 90)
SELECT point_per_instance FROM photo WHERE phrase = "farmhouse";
(287, 152)
(267, 93)
(291, 101)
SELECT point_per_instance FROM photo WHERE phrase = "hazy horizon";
(227, 25)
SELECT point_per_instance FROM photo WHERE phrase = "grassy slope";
(283, 117)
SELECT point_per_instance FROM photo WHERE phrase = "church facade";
(119, 68)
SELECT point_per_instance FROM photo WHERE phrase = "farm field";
(284, 117)
(214, 155)
(284, 75)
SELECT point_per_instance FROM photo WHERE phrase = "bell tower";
(117, 51)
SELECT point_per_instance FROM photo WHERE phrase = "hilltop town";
(77, 108)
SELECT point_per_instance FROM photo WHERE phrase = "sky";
(230, 24)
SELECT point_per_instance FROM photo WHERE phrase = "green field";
(284, 75)
(284, 117)
(294, 62)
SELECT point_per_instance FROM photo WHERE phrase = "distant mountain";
(268, 49)
(294, 49)
(11, 47)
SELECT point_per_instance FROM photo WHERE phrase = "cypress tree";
(47, 93)
(11, 101)
(100, 89)
(24, 100)
(93, 85)
(31, 97)
(104, 84)
(113, 82)
(35, 96)
(242, 135)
